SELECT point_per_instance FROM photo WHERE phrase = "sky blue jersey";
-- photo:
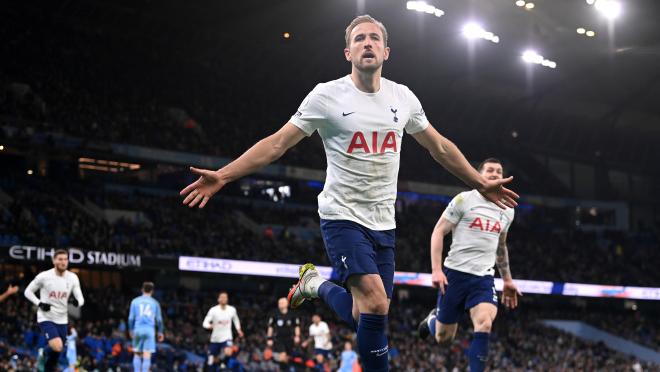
(145, 314)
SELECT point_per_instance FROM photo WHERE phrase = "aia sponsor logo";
(486, 225)
(377, 145)
(58, 295)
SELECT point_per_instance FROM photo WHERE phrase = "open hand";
(510, 294)
(203, 189)
(495, 191)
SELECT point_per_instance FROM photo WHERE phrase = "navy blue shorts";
(324, 352)
(355, 249)
(464, 292)
(215, 348)
(52, 330)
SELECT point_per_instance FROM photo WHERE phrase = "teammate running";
(55, 287)
(219, 319)
(479, 230)
(71, 350)
(144, 315)
(361, 119)
(320, 333)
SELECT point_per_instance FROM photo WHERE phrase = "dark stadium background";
(105, 104)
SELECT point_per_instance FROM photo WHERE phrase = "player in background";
(349, 358)
(55, 286)
(320, 333)
(219, 319)
(144, 318)
(479, 229)
(283, 333)
(71, 351)
(11, 289)
(361, 119)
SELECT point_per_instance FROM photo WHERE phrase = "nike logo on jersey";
(346, 114)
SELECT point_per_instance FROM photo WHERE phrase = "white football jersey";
(221, 320)
(321, 334)
(54, 290)
(362, 134)
(479, 224)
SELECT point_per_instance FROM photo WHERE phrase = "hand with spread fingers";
(510, 294)
(495, 191)
(200, 191)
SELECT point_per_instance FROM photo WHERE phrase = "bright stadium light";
(609, 8)
(520, 3)
(424, 7)
(591, 2)
(474, 31)
(581, 31)
(531, 56)
(529, 6)
(590, 33)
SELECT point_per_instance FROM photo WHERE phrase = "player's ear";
(347, 54)
(386, 54)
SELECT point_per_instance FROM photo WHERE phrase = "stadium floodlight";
(591, 2)
(581, 30)
(609, 8)
(424, 7)
(2, 147)
(531, 56)
(474, 31)
(590, 33)
(529, 6)
(520, 3)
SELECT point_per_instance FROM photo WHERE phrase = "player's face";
(283, 304)
(348, 346)
(61, 262)
(223, 299)
(366, 49)
(316, 319)
(492, 171)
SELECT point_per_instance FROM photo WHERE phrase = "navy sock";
(372, 342)
(339, 300)
(478, 353)
(431, 324)
(51, 362)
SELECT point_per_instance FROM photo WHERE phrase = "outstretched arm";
(10, 291)
(450, 157)
(510, 292)
(258, 156)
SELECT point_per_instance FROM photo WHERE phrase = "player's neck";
(59, 273)
(368, 82)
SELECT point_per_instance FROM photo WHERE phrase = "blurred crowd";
(519, 342)
(50, 214)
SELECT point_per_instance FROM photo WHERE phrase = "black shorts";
(283, 345)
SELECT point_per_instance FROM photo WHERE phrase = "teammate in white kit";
(219, 319)
(479, 230)
(320, 333)
(361, 119)
(55, 286)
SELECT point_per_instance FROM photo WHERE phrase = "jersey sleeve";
(454, 211)
(510, 221)
(235, 320)
(77, 292)
(311, 113)
(208, 319)
(418, 121)
(34, 286)
(132, 313)
(160, 325)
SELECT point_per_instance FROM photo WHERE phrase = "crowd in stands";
(44, 213)
(518, 341)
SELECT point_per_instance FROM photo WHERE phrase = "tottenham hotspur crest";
(396, 120)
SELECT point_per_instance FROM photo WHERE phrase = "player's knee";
(444, 337)
(483, 324)
(377, 306)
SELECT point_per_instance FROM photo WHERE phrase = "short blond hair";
(366, 18)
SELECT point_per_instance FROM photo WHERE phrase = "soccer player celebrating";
(144, 315)
(283, 332)
(55, 287)
(361, 119)
(219, 319)
(320, 332)
(479, 229)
